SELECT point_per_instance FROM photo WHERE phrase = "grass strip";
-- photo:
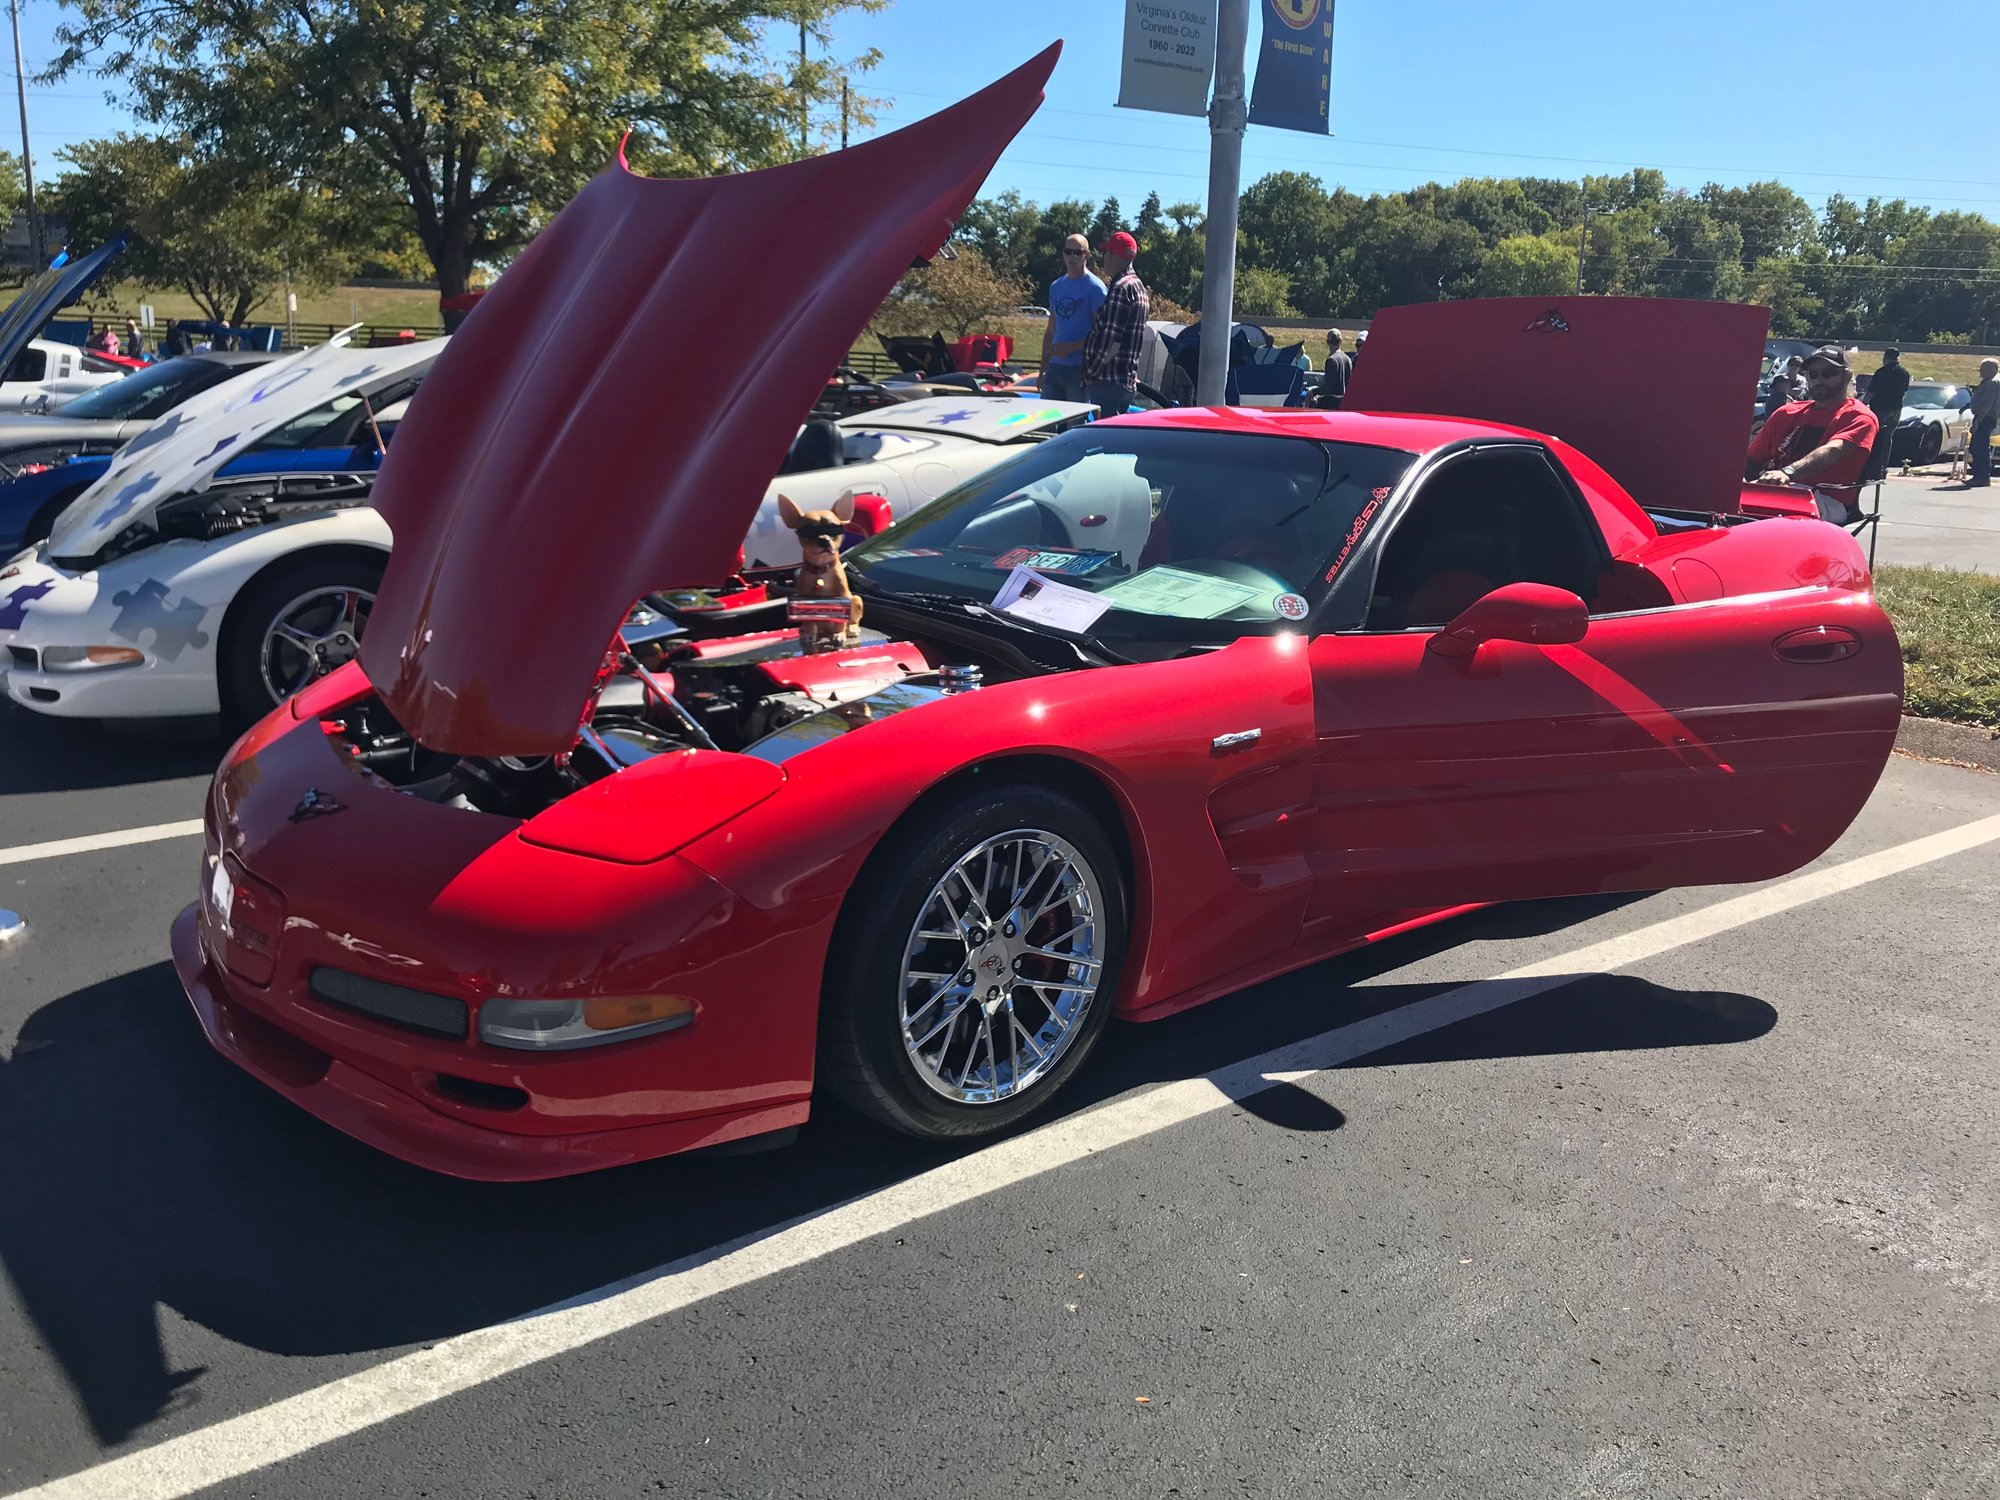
(1949, 623)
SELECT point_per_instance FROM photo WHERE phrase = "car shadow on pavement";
(71, 755)
(141, 1170)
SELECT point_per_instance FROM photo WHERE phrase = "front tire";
(1930, 447)
(292, 626)
(963, 1002)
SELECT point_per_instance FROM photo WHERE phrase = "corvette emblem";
(1549, 322)
(316, 804)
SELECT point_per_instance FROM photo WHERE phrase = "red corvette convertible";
(509, 905)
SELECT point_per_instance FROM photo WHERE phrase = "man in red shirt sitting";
(1823, 441)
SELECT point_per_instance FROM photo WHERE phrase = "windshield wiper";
(968, 610)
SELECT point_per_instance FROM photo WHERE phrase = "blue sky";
(1827, 97)
(1440, 89)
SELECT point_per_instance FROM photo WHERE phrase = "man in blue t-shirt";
(1074, 298)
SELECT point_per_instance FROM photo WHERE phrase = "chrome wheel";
(318, 631)
(1002, 966)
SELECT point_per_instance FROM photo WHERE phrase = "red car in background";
(508, 905)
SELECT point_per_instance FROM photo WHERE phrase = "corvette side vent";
(414, 1010)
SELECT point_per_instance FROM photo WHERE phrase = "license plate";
(221, 894)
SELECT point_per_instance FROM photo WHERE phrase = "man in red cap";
(1823, 441)
(1111, 351)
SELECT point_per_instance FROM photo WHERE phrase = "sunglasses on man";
(1076, 252)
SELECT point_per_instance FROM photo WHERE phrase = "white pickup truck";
(45, 374)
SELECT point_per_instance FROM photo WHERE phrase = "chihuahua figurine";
(823, 606)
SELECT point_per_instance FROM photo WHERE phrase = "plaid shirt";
(1111, 351)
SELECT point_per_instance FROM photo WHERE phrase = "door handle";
(1817, 644)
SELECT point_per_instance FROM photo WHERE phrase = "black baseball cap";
(1833, 354)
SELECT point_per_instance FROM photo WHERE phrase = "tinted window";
(1478, 523)
(29, 364)
(1188, 534)
(149, 392)
(327, 426)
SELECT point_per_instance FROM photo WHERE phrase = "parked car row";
(221, 559)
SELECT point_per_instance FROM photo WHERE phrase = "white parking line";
(24, 853)
(257, 1439)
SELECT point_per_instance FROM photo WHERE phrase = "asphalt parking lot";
(1929, 520)
(1689, 1194)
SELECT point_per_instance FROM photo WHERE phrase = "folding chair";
(1866, 518)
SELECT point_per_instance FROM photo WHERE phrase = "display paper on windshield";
(1027, 595)
(1190, 596)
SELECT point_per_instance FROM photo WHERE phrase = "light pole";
(36, 247)
(1228, 116)
(1582, 245)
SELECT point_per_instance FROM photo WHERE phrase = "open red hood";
(607, 420)
(1656, 390)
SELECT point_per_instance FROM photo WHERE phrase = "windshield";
(1183, 534)
(1930, 395)
(147, 392)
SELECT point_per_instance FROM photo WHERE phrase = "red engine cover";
(838, 676)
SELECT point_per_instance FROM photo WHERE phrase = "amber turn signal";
(615, 1012)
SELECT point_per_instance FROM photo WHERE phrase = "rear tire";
(308, 596)
(1014, 885)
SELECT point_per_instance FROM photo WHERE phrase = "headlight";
(554, 1025)
(88, 658)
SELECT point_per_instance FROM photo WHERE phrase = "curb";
(1961, 744)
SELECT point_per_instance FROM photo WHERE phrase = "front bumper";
(389, 1119)
(43, 607)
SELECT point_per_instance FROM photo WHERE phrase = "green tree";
(1772, 219)
(1413, 257)
(1262, 292)
(1150, 222)
(1781, 285)
(488, 114)
(1943, 274)
(1171, 263)
(11, 190)
(1107, 223)
(953, 297)
(1002, 230)
(1529, 265)
(228, 234)
(1060, 220)
(1286, 220)
(1703, 258)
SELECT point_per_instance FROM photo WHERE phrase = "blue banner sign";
(1294, 66)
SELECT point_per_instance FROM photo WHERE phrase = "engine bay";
(234, 505)
(756, 694)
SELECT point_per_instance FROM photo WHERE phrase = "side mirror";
(1532, 612)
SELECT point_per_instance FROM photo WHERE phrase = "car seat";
(1103, 508)
(816, 447)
